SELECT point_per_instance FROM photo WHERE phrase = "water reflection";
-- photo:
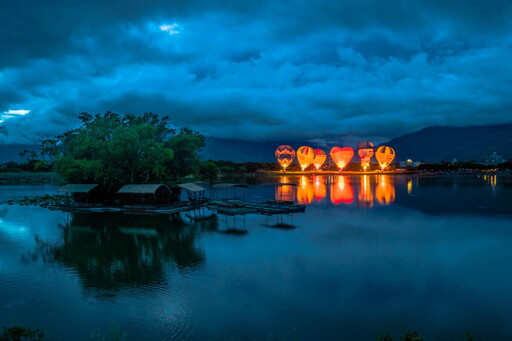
(385, 191)
(341, 189)
(112, 251)
(365, 197)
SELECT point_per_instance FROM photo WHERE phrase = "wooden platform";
(236, 206)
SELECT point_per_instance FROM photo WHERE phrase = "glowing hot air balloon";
(285, 155)
(305, 155)
(365, 151)
(342, 156)
(320, 158)
(385, 155)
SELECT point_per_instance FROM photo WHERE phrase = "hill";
(442, 143)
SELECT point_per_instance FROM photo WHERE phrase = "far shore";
(30, 178)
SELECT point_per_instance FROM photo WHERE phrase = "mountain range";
(431, 144)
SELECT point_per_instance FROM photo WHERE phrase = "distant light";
(171, 29)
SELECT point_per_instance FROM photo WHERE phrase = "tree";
(113, 150)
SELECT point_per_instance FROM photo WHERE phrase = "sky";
(285, 70)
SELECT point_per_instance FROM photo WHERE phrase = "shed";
(84, 193)
(144, 194)
(194, 191)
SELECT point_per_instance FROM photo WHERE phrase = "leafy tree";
(208, 170)
(113, 150)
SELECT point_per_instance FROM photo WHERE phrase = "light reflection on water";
(371, 255)
(340, 189)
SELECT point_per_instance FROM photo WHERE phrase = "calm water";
(371, 255)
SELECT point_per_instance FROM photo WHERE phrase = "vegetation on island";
(112, 150)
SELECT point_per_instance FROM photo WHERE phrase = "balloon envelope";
(305, 155)
(385, 155)
(342, 156)
(319, 159)
(285, 155)
(365, 151)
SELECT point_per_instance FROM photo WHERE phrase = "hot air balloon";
(285, 155)
(305, 155)
(385, 155)
(365, 151)
(320, 158)
(342, 156)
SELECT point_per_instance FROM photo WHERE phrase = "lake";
(371, 255)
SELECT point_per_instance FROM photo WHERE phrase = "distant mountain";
(432, 144)
(10, 152)
(436, 144)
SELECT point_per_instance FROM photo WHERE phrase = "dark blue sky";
(257, 70)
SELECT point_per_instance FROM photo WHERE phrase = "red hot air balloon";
(365, 151)
(285, 155)
(320, 158)
(342, 156)
(305, 155)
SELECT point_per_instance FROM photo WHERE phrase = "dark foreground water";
(371, 255)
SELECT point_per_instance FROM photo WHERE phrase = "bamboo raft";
(236, 206)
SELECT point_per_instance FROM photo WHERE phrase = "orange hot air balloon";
(341, 191)
(285, 155)
(365, 151)
(342, 156)
(305, 155)
(385, 155)
(320, 158)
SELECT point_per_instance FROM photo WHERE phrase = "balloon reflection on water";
(341, 189)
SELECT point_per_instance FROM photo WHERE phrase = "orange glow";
(365, 155)
(365, 151)
(320, 158)
(285, 155)
(385, 192)
(305, 155)
(305, 191)
(384, 155)
(409, 186)
(341, 191)
(342, 156)
(365, 197)
(320, 190)
(285, 192)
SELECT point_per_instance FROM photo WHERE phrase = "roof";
(141, 189)
(77, 188)
(191, 187)
(278, 184)
(228, 185)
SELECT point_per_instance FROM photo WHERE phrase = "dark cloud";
(328, 71)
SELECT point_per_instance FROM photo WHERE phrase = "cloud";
(263, 71)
